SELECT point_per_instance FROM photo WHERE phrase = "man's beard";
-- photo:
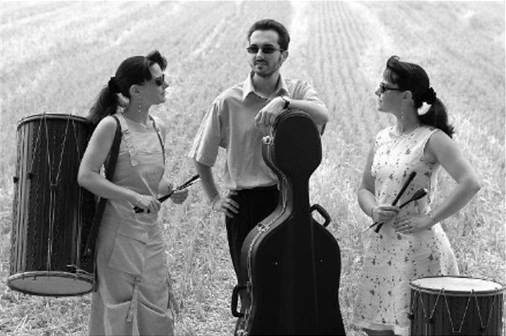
(275, 67)
(268, 73)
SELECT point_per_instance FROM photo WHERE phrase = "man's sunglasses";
(383, 88)
(266, 49)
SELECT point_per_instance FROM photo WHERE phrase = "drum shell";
(51, 213)
(436, 312)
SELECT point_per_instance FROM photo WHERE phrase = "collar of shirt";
(248, 87)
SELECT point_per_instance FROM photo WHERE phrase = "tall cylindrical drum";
(51, 213)
(456, 305)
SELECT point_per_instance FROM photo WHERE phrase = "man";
(238, 119)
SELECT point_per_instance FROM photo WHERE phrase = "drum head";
(53, 116)
(51, 283)
(456, 284)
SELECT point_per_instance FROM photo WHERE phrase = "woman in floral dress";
(411, 243)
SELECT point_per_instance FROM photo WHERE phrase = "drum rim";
(499, 290)
(52, 116)
(83, 276)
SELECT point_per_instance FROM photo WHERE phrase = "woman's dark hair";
(269, 24)
(412, 77)
(133, 70)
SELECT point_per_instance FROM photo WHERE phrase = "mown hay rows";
(347, 45)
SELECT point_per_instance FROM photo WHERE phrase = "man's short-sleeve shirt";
(230, 124)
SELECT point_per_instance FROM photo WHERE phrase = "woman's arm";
(446, 152)
(366, 198)
(89, 176)
(443, 149)
(365, 194)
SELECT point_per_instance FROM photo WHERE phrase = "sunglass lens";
(268, 49)
(252, 49)
(160, 80)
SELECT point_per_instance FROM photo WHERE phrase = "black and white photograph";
(213, 168)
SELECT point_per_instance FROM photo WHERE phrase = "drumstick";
(408, 181)
(185, 185)
(416, 196)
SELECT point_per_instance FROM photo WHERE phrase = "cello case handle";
(235, 298)
(322, 213)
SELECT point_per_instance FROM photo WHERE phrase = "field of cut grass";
(56, 56)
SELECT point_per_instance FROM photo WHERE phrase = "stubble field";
(55, 57)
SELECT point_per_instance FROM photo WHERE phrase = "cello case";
(290, 263)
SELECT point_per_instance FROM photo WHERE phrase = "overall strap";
(158, 133)
(127, 138)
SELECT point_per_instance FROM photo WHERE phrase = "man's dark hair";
(269, 24)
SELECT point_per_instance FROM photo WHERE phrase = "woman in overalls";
(133, 289)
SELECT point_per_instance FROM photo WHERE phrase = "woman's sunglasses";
(159, 81)
(383, 88)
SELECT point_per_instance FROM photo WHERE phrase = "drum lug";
(411, 316)
(15, 179)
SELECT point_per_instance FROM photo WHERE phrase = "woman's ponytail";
(436, 116)
(106, 103)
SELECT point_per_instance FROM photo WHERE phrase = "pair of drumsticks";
(416, 196)
(185, 185)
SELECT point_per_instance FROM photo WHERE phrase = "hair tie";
(112, 85)
(430, 96)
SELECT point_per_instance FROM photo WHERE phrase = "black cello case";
(290, 263)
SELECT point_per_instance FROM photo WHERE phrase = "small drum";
(456, 305)
(51, 213)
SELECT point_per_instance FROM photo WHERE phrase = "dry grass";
(56, 56)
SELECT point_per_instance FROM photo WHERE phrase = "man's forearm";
(318, 112)
(207, 180)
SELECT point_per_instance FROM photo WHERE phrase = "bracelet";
(287, 102)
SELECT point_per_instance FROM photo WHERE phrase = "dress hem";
(364, 324)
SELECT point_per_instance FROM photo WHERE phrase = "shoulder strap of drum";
(109, 166)
(110, 163)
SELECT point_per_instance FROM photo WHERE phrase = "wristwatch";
(287, 102)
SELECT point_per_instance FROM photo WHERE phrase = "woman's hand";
(146, 202)
(409, 225)
(384, 213)
(179, 196)
(226, 204)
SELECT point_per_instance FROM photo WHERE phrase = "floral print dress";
(393, 259)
